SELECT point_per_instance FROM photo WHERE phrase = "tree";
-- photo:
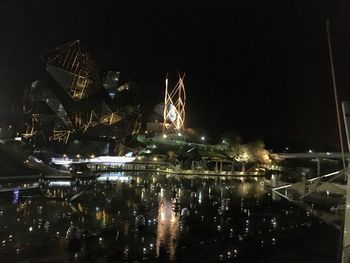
(243, 155)
(259, 153)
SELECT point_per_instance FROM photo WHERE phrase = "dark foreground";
(229, 220)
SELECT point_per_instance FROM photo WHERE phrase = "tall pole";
(165, 110)
(335, 93)
(178, 106)
(346, 221)
(345, 237)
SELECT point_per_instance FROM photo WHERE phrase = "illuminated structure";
(174, 105)
(82, 78)
(70, 102)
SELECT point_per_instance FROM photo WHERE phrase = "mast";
(335, 93)
(345, 234)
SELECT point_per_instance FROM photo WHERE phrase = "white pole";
(346, 223)
(335, 93)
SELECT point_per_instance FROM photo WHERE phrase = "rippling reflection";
(222, 219)
(167, 229)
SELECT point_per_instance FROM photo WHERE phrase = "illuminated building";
(69, 102)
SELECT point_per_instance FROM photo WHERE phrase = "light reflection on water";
(167, 228)
(227, 216)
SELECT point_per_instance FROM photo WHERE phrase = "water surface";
(230, 220)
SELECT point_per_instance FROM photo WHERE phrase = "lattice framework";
(73, 59)
(61, 136)
(177, 98)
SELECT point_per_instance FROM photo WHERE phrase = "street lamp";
(202, 138)
(165, 136)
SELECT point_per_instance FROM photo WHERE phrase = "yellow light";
(165, 136)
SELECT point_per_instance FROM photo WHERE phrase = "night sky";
(259, 68)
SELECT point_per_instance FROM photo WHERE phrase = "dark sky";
(260, 68)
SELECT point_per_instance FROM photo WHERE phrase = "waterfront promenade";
(146, 165)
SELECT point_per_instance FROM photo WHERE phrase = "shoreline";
(96, 174)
